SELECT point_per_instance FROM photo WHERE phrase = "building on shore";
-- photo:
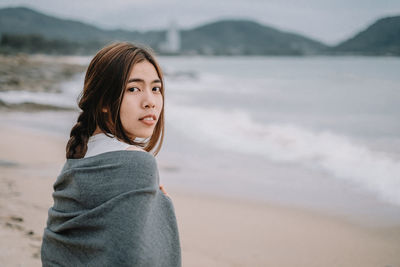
(172, 44)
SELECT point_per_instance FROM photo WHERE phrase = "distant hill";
(25, 21)
(27, 30)
(380, 38)
(226, 37)
(247, 37)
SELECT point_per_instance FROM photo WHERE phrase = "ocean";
(315, 132)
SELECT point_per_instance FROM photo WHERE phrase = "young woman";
(109, 208)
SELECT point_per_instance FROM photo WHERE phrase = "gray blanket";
(109, 211)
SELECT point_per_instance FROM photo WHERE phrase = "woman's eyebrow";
(142, 81)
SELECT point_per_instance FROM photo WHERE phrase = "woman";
(109, 209)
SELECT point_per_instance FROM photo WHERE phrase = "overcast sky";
(329, 21)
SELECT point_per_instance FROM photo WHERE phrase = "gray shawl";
(109, 211)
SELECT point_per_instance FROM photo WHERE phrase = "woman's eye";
(133, 89)
(157, 89)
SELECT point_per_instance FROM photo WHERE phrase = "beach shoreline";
(214, 230)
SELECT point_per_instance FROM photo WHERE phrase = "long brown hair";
(104, 87)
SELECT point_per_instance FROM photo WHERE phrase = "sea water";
(319, 132)
(322, 132)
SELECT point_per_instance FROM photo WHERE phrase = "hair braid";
(79, 136)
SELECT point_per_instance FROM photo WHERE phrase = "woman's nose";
(149, 99)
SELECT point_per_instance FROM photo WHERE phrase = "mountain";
(25, 21)
(380, 38)
(23, 27)
(247, 37)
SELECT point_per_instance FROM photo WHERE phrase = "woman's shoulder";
(132, 147)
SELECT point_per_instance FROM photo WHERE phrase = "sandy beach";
(214, 231)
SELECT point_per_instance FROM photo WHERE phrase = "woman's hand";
(162, 189)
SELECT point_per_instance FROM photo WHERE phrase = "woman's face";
(142, 97)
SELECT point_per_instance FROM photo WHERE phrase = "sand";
(214, 231)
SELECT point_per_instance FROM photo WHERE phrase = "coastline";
(214, 230)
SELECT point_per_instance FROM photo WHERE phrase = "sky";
(329, 21)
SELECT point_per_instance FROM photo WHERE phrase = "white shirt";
(101, 143)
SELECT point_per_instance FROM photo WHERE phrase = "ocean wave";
(18, 98)
(343, 158)
(66, 99)
(193, 81)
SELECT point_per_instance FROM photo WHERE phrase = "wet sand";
(214, 231)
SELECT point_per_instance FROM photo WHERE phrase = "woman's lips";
(149, 119)
(153, 116)
(148, 122)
